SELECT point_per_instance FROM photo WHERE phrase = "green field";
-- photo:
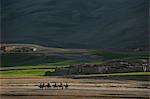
(38, 70)
(16, 73)
(32, 67)
(109, 55)
(117, 74)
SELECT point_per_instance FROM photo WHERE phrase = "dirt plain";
(27, 88)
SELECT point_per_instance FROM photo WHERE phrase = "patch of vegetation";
(116, 74)
(24, 59)
(39, 72)
(70, 62)
(32, 67)
(108, 55)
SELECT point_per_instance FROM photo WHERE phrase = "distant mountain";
(103, 24)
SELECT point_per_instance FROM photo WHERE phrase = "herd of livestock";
(53, 85)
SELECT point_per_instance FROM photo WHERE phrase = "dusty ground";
(26, 88)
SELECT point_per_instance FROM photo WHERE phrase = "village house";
(118, 66)
(17, 49)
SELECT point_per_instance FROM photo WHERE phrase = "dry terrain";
(26, 88)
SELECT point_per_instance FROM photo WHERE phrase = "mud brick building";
(116, 66)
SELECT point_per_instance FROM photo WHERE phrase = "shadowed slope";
(76, 23)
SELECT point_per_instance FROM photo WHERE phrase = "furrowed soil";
(27, 88)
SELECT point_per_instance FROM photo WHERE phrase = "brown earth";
(27, 88)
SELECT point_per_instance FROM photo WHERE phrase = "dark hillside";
(20, 59)
(104, 24)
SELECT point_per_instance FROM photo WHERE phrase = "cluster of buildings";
(116, 66)
(17, 49)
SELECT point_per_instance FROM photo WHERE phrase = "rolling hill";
(60, 56)
(101, 24)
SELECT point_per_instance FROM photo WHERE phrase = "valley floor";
(27, 88)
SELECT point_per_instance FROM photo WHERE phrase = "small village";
(116, 66)
(17, 49)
